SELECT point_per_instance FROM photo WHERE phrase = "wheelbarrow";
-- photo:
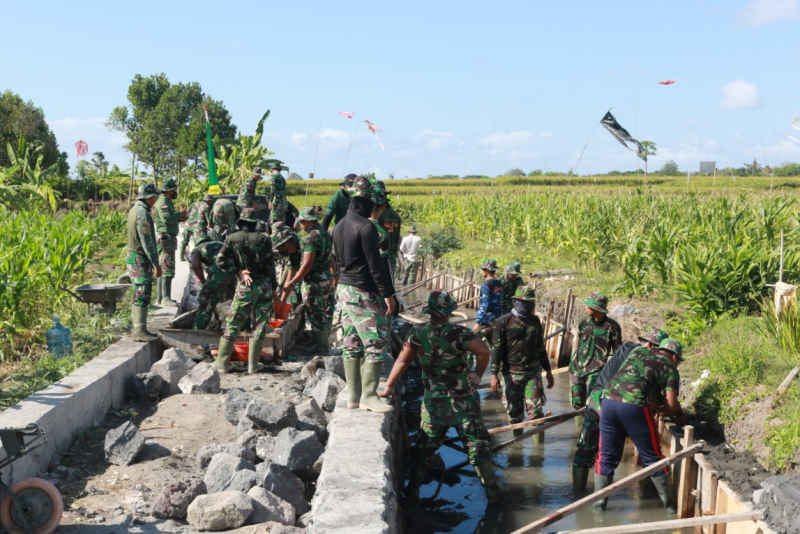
(107, 295)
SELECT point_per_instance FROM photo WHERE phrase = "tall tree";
(23, 119)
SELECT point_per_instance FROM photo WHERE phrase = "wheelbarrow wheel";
(40, 502)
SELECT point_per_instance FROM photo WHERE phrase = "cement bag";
(785, 295)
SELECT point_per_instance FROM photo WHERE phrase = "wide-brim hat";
(594, 304)
(489, 264)
(654, 336)
(526, 293)
(672, 345)
(514, 268)
(147, 191)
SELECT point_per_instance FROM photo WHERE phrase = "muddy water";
(536, 479)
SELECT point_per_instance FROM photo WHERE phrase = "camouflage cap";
(170, 184)
(281, 234)
(379, 197)
(595, 304)
(672, 345)
(489, 264)
(600, 297)
(248, 214)
(379, 184)
(514, 268)
(308, 214)
(361, 188)
(526, 293)
(278, 182)
(654, 336)
(440, 303)
(147, 191)
(349, 179)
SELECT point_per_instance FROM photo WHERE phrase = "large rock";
(310, 368)
(154, 386)
(175, 498)
(171, 368)
(248, 440)
(311, 417)
(207, 452)
(236, 401)
(221, 470)
(297, 450)
(123, 443)
(203, 378)
(270, 507)
(286, 485)
(272, 416)
(265, 447)
(220, 511)
(335, 364)
(242, 480)
(326, 389)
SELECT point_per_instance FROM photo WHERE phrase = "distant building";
(708, 167)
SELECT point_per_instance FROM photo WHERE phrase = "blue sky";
(458, 87)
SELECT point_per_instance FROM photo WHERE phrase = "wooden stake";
(535, 422)
(671, 524)
(608, 490)
(684, 486)
(785, 385)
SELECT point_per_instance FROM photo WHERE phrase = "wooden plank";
(534, 422)
(785, 385)
(686, 482)
(671, 524)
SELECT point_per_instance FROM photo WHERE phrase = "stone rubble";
(203, 378)
(123, 443)
(220, 511)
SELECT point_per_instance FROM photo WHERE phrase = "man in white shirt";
(408, 251)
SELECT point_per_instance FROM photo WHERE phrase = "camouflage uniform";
(363, 324)
(197, 226)
(166, 218)
(278, 203)
(218, 286)
(318, 283)
(280, 235)
(490, 303)
(247, 193)
(142, 252)
(510, 284)
(223, 218)
(597, 341)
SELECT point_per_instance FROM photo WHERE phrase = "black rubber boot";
(663, 488)
(579, 477)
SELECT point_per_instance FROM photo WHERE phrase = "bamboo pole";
(671, 524)
(423, 303)
(534, 422)
(684, 485)
(608, 490)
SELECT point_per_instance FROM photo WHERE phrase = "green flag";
(213, 180)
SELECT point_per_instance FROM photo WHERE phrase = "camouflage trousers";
(254, 301)
(141, 272)
(317, 298)
(523, 394)
(410, 272)
(278, 210)
(217, 287)
(463, 413)
(364, 324)
(166, 256)
(579, 389)
(588, 439)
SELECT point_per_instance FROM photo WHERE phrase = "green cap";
(654, 336)
(379, 197)
(489, 264)
(278, 182)
(249, 215)
(600, 297)
(672, 345)
(440, 303)
(382, 186)
(526, 293)
(348, 180)
(308, 214)
(147, 191)
(170, 184)
(595, 304)
(514, 268)
(281, 234)
(361, 188)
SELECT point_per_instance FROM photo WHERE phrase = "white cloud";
(740, 94)
(299, 139)
(760, 12)
(334, 138)
(437, 140)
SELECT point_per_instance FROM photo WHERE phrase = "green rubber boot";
(223, 354)
(254, 349)
(370, 376)
(159, 293)
(139, 325)
(601, 482)
(485, 470)
(579, 477)
(166, 291)
(352, 375)
(663, 488)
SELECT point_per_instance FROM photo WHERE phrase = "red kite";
(374, 128)
(81, 148)
(667, 82)
(347, 114)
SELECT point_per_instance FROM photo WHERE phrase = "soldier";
(337, 205)
(166, 218)
(598, 338)
(649, 376)
(223, 218)
(440, 348)
(197, 225)
(586, 448)
(249, 254)
(518, 352)
(316, 277)
(278, 203)
(380, 202)
(408, 251)
(490, 303)
(286, 244)
(363, 280)
(511, 281)
(247, 193)
(391, 222)
(217, 285)
(142, 259)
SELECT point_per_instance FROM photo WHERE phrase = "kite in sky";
(347, 114)
(622, 135)
(374, 128)
(666, 82)
(81, 148)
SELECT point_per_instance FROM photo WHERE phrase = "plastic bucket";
(281, 309)
(240, 351)
(276, 323)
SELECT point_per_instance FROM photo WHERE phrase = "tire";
(39, 498)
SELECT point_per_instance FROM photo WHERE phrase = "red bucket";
(281, 310)
(240, 351)
(277, 323)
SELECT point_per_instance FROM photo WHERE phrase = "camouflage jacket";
(141, 233)
(490, 305)
(248, 250)
(197, 224)
(518, 346)
(207, 252)
(510, 285)
(391, 221)
(165, 217)
(320, 244)
(643, 378)
(441, 351)
(247, 193)
(223, 217)
(596, 343)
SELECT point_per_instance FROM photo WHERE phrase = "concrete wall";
(78, 401)
(357, 488)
